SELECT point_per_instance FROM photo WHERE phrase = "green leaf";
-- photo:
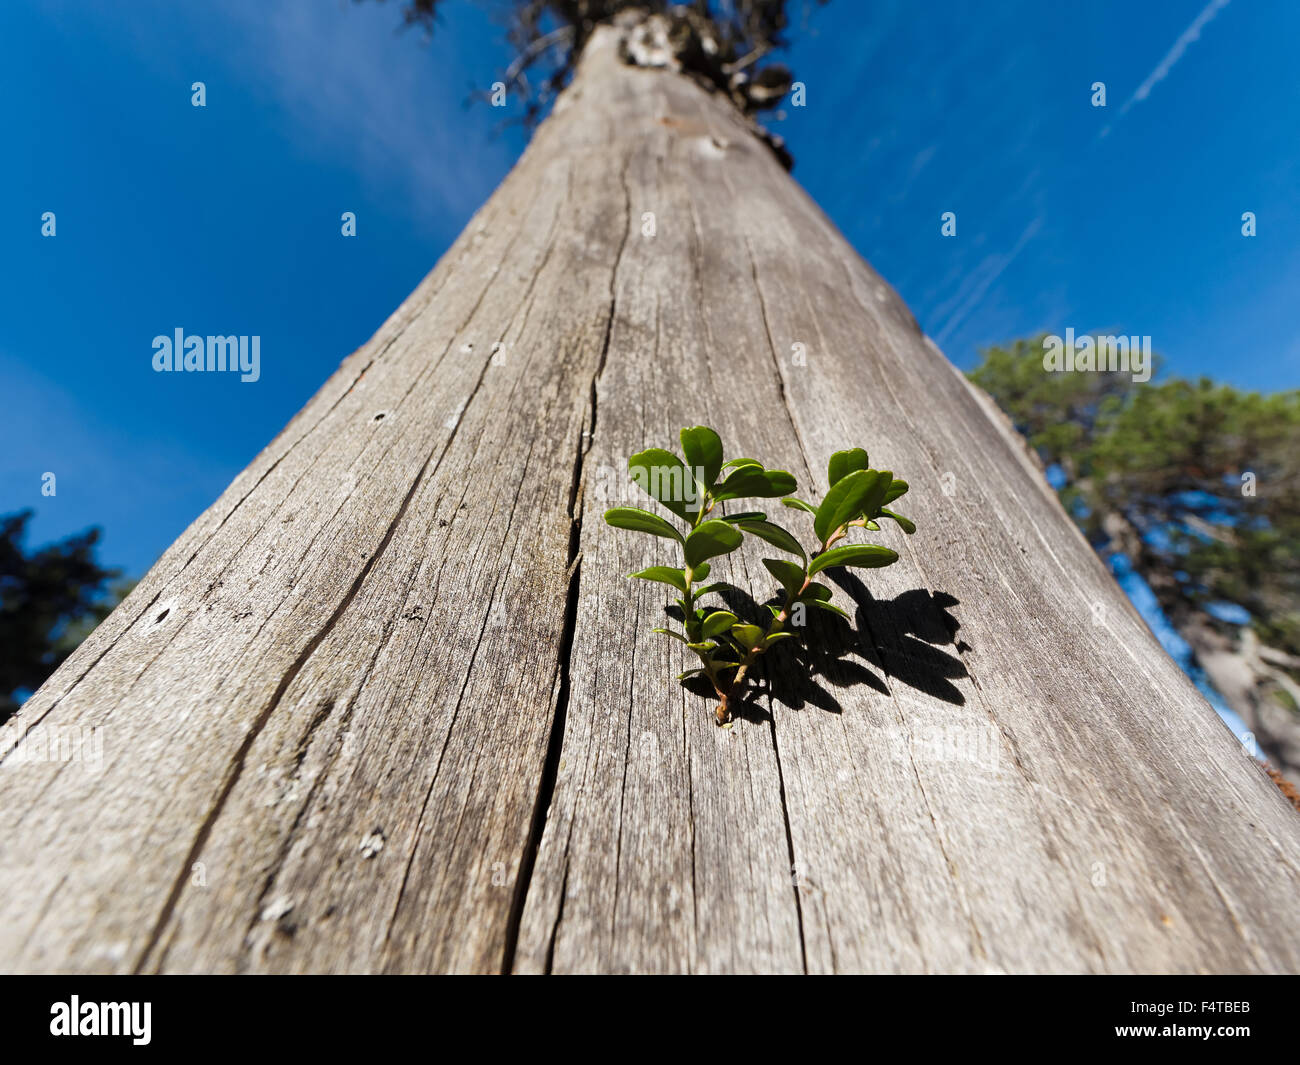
(775, 637)
(718, 622)
(790, 575)
(799, 504)
(896, 488)
(707, 588)
(710, 539)
(744, 515)
(703, 450)
(774, 535)
(876, 497)
(844, 502)
(674, 635)
(748, 636)
(699, 573)
(866, 556)
(664, 477)
(906, 524)
(690, 673)
(821, 604)
(703, 647)
(843, 463)
(639, 520)
(745, 481)
(815, 591)
(664, 575)
(742, 462)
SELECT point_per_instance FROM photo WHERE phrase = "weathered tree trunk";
(391, 705)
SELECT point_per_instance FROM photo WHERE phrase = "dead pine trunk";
(391, 705)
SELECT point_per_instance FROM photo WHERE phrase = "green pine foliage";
(1207, 475)
(50, 600)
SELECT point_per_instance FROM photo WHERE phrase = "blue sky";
(225, 219)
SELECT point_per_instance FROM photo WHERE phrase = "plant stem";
(691, 623)
(723, 712)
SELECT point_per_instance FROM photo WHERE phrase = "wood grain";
(390, 704)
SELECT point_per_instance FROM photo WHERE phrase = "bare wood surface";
(390, 704)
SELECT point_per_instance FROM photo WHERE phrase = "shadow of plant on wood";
(902, 639)
(728, 646)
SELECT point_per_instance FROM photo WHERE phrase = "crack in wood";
(555, 740)
(237, 766)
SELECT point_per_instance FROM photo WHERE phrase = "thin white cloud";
(980, 281)
(389, 103)
(344, 86)
(1192, 33)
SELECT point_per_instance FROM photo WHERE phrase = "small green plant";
(727, 645)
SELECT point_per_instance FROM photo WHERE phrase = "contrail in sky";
(1175, 53)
